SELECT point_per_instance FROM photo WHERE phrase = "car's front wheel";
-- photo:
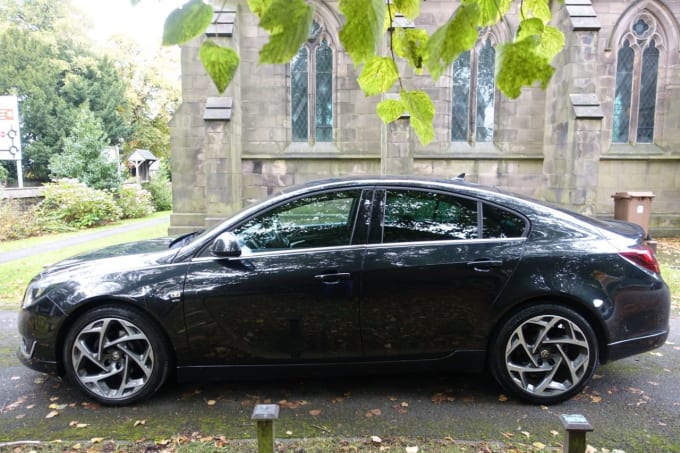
(544, 354)
(116, 355)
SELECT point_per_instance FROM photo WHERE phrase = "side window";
(427, 216)
(322, 220)
(499, 223)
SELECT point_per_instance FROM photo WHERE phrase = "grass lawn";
(15, 275)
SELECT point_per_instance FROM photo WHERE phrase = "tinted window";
(427, 216)
(321, 220)
(499, 223)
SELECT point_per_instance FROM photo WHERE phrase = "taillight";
(642, 256)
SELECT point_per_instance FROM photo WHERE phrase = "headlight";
(34, 291)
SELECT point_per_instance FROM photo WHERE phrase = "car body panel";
(360, 303)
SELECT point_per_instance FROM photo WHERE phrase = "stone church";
(607, 122)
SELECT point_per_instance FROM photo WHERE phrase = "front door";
(292, 296)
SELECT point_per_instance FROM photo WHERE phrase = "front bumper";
(39, 329)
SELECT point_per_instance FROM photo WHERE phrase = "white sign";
(10, 139)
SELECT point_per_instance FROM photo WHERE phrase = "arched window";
(473, 95)
(637, 70)
(311, 97)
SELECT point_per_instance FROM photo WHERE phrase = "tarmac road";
(633, 405)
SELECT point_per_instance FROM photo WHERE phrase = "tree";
(522, 62)
(49, 64)
(83, 157)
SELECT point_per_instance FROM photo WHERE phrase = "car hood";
(130, 254)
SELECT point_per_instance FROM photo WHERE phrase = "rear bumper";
(625, 348)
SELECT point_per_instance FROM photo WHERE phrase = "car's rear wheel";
(544, 354)
(116, 355)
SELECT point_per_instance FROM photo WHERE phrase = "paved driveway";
(633, 404)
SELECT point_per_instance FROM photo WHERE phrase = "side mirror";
(226, 246)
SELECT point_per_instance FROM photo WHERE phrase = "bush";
(161, 192)
(134, 202)
(68, 202)
(16, 223)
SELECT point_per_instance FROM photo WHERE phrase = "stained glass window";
(622, 98)
(473, 94)
(324, 93)
(312, 89)
(650, 69)
(299, 96)
(637, 71)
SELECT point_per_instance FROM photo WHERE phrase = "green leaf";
(550, 39)
(390, 110)
(536, 8)
(421, 108)
(450, 40)
(288, 22)
(259, 7)
(492, 11)
(220, 63)
(409, 44)
(520, 64)
(378, 75)
(409, 8)
(187, 22)
(364, 29)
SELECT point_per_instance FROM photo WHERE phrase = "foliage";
(55, 70)
(83, 157)
(75, 205)
(4, 175)
(160, 189)
(16, 223)
(522, 62)
(134, 202)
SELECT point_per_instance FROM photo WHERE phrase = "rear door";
(435, 263)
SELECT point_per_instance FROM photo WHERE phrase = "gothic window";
(312, 89)
(473, 94)
(637, 69)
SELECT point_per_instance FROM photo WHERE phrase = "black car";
(350, 276)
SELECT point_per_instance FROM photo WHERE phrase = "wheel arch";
(591, 317)
(91, 304)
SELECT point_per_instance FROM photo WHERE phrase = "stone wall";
(553, 144)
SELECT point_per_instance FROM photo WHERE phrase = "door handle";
(485, 265)
(333, 278)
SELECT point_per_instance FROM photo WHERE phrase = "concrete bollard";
(264, 415)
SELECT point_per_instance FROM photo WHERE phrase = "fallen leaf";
(54, 398)
(526, 433)
(57, 407)
(411, 449)
(77, 446)
(315, 412)
(82, 425)
(212, 402)
(20, 416)
(508, 435)
(97, 440)
(52, 414)
(289, 433)
(539, 445)
(595, 399)
(554, 433)
(502, 398)
(14, 378)
(376, 439)
(140, 423)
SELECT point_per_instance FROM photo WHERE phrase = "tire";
(544, 354)
(116, 355)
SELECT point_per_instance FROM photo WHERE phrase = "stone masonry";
(553, 144)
